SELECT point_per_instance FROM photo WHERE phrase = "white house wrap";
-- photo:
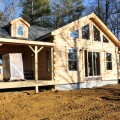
(13, 66)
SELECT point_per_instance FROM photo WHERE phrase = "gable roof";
(20, 19)
(34, 32)
(97, 22)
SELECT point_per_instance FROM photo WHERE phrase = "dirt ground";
(102, 103)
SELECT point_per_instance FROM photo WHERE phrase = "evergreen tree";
(1, 15)
(66, 11)
(34, 10)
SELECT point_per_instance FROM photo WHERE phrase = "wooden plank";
(39, 49)
(25, 42)
(31, 48)
(52, 63)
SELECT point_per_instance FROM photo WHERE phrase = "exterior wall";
(14, 29)
(63, 42)
(43, 74)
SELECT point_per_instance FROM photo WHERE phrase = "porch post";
(36, 51)
(36, 63)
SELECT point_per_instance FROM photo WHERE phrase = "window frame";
(87, 67)
(20, 31)
(103, 36)
(94, 34)
(72, 59)
(73, 33)
(88, 31)
(109, 61)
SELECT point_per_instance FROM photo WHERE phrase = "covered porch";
(37, 61)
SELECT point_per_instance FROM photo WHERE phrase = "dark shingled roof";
(34, 32)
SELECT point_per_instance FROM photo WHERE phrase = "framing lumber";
(36, 51)
(25, 42)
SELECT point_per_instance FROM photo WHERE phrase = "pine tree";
(66, 11)
(34, 10)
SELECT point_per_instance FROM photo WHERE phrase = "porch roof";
(25, 42)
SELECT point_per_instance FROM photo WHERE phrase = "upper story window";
(20, 30)
(72, 59)
(74, 34)
(96, 34)
(105, 40)
(86, 32)
(109, 61)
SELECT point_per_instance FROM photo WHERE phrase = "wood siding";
(63, 42)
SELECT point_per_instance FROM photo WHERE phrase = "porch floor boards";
(27, 83)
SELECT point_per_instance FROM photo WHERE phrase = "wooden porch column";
(36, 51)
(36, 63)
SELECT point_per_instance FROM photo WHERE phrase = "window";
(85, 32)
(20, 30)
(74, 34)
(0, 59)
(109, 61)
(92, 63)
(96, 34)
(105, 40)
(72, 59)
(48, 61)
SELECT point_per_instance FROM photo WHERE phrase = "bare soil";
(102, 103)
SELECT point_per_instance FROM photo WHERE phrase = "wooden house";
(81, 54)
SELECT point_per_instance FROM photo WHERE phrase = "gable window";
(74, 34)
(105, 40)
(72, 59)
(86, 32)
(109, 61)
(20, 30)
(96, 34)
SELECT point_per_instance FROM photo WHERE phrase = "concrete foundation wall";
(87, 84)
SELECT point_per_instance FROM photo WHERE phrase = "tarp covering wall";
(13, 66)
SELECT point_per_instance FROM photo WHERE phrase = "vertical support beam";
(52, 63)
(36, 89)
(36, 63)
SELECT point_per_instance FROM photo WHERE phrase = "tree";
(34, 10)
(108, 11)
(1, 15)
(9, 9)
(65, 11)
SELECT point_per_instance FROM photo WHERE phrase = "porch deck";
(26, 83)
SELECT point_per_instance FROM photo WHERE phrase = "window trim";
(82, 32)
(93, 33)
(74, 31)
(106, 38)
(87, 51)
(109, 61)
(72, 60)
(18, 31)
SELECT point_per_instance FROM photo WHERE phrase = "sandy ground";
(102, 103)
